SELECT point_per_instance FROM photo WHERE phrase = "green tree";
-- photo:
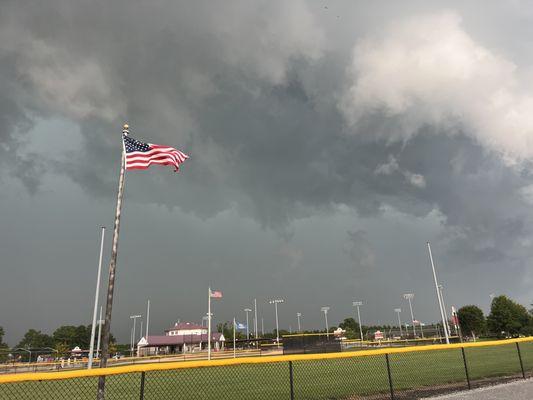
(3, 346)
(2, 333)
(65, 335)
(34, 339)
(73, 336)
(62, 349)
(471, 320)
(508, 318)
(351, 327)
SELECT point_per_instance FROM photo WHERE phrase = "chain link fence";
(405, 373)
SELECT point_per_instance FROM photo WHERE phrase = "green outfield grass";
(317, 379)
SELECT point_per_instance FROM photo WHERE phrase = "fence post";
(466, 368)
(390, 377)
(142, 385)
(520, 358)
(291, 380)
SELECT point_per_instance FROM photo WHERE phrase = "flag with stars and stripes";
(140, 155)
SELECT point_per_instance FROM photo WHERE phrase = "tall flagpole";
(96, 295)
(209, 324)
(112, 269)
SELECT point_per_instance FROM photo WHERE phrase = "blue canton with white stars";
(132, 145)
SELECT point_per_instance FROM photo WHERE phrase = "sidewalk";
(518, 390)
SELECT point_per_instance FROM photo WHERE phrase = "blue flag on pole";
(239, 325)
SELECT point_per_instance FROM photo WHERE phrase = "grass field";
(346, 378)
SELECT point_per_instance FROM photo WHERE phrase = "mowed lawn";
(319, 379)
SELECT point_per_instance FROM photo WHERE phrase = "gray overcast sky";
(329, 140)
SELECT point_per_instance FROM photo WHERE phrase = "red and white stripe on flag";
(216, 294)
(140, 155)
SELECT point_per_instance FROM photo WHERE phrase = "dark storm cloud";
(271, 101)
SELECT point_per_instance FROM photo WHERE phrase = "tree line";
(60, 342)
(507, 318)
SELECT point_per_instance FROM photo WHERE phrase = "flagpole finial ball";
(126, 126)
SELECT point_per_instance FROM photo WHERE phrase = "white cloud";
(389, 167)
(416, 180)
(527, 194)
(73, 87)
(392, 166)
(428, 70)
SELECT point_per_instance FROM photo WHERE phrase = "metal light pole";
(298, 315)
(247, 310)
(93, 327)
(234, 350)
(134, 318)
(147, 318)
(325, 311)
(444, 309)
(255, 319)
(422, 329)
(398, 311)
(409, 297)
(358, 304)
(276, 302)
(100, 322)
(438, 295)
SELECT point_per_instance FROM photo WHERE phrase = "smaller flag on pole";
(216, 294)
(140, 155)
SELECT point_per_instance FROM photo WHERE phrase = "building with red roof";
(180, 338)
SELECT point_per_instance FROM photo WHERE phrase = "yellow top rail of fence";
(49, 376)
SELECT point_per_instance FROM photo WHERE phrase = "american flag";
(140, 155)
(216, 294)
